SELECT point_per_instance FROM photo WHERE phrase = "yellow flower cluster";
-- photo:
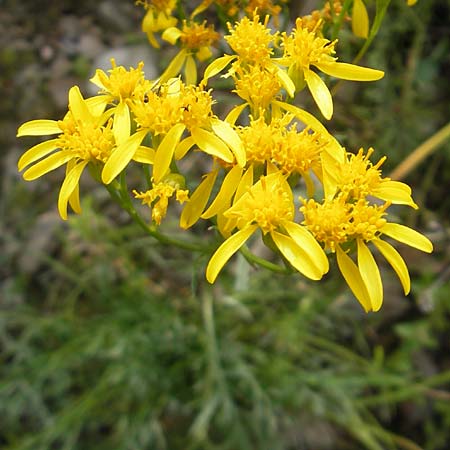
(255, 160)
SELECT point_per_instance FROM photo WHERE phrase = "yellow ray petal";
(122, 123)
(234, 114)
(226, 251)
(245, 183)
(39, 127)
(98, 104)
(286, 81)
(396, 192)
(394, 258)
(211, 144)
(69, 185)
(351, 72)
(171, 35)
(370, 275)
(48, 164)
(203, 53)
(197, 201)
(97, 79)
(78, 106)
(164, 152)
(74, 199)
(174, 68)
(121, 156)
(306, 240)
(304, 116)
(190, 70)
(227, 133)
(200, 8)
(320, 93)
(360, 19)
(223, 198)
(408, 236)
(352, 276)
(37, 152)
(183, 147)
(217, 66)
(144, 155)
(297, 256)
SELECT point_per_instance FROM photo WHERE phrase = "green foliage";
(120, 354)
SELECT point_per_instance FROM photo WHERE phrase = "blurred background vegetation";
(109, 340)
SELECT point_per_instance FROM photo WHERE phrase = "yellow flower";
(196, 40)
(411, 2)
(357, 178)
(252, 40)
(167, 112)
(337, 224)
(304, 49)
(158, 112)
(268, 205)
(157, 198)
(83, 138)
(255, 73)
(116, 88)
(158, 18)
(257, 85)
(279, 143)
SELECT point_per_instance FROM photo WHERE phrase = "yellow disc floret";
(251, 40)
(85, 139)
(267, 204)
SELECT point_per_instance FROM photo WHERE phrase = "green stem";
(340, 18)
(382, 6)
(253, 259)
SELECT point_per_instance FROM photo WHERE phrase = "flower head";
(357, 178)
(252, 40)
(157, 198)
(304, 49)
(84, 136)
(268, 206)
(255, 84)
(121, 83)
(337, 224)
(117, 88)
(158, 18)
(196, 40)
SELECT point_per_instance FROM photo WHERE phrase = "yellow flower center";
(121, 83)
(291, 151)
(256, 85)
(268, 204)
(196, 107)
(367, 220)
(86, 140)
(158, 110)
(195, 36)
(299, 152)
(259, 139)
(251, 40)
(305, 48)
(357, 176)
(335, 222)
